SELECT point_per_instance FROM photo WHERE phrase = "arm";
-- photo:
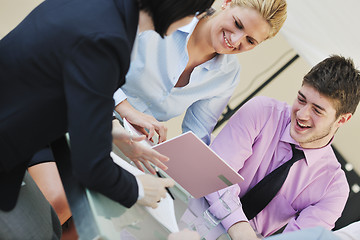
(154, 189)
(142, 121)
(326, 211)
(202, 116)
(236, 223)
(91, 73)
(234, 144)
(243, 231)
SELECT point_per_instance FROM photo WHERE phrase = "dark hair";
(337, 78)
(166, 12)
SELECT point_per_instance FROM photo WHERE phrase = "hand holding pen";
(167, 189)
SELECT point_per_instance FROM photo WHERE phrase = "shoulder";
(332, 164)
(112, 43)
(267, 103)
(324, 156)
(148, 35)
(324, 164)
(109, 50)
(262, 111)
(150, 43)
(103, 56)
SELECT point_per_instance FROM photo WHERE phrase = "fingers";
(154, 126)
(138, 138)
(145, 160)
(160, 157)
(139, 165)
(141, 130)
(162, 193)
(151, 132)
(154, 205)
(150, 123)
(159, 128)
(160, 165)
(156, 158)
(162, 132)
(149, 167)
(141, 120)
(146, 154)
(154, 189)
(168, 182)
(156, 162)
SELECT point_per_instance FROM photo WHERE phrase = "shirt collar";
(218, 62)
(190, 27)
(311, 154)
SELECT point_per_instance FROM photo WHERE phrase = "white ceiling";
(318, 28)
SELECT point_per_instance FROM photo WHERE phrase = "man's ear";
(343, 118)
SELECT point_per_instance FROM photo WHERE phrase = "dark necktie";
(256, 199)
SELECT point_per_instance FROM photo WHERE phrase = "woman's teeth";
(227, 42)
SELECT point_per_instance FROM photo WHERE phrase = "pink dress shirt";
(254, 142)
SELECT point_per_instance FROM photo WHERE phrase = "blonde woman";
(195, 69)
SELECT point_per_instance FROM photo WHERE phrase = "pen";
(167, 189)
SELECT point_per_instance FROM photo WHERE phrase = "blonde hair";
(273, 11)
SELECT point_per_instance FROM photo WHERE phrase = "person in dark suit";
(67, 54)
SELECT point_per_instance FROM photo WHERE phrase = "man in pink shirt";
(257, 139)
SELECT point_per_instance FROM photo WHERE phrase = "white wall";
(12, 12)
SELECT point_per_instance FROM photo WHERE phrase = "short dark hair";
(166, 12)
(337, 78)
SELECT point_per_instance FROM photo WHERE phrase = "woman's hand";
(142, 121)
(137, 152)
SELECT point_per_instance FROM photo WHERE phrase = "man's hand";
(154, 189)
(141, 121)
(242, 231)
(137, 152)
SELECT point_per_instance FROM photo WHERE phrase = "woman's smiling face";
(237, 29)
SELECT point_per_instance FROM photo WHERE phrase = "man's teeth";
(301, 125)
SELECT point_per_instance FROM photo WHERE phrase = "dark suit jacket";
(59, 69)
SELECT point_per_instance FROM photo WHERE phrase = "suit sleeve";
(92, 72)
